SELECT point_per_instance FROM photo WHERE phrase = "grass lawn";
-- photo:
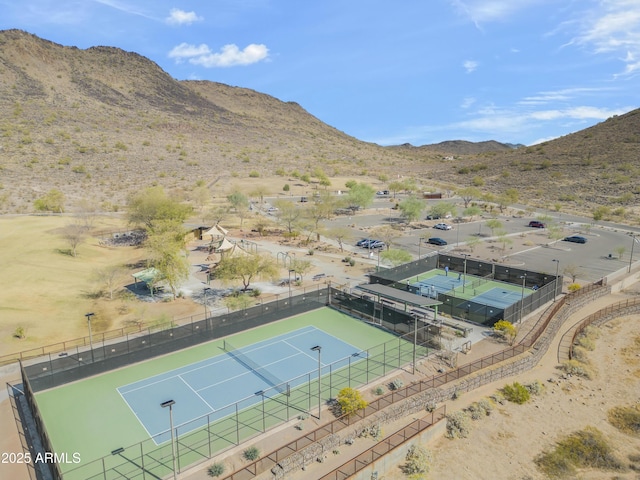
(47, 291)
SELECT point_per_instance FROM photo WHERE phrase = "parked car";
(433, 217)
(361, 243)
(536, 224)
(376, 244)
(442, 226)
(437, 241)
(304, 199)
(382, 193)
(575, 239)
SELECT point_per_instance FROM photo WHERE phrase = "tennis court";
(499, 297)
(216, 406)
(203, 390)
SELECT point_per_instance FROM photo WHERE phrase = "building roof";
(400, 296)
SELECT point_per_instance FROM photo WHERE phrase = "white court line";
(250, 371)
(191, 388)
(136, 415)
(308, 355)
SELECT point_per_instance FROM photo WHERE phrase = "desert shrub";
(397, 384)
(350, 400)
(505, 330)
(498, 398)
(458, 425)
(215, 470)
(574, 287)
(19, 333)
(573, 367)
(480, 409)
(625, 419)
(586, 448)
(251, 453)
(535, 388)
(418, 461)
(516, 393)
(431, 406)
(378, 390)
(580, 354)
(586, 343)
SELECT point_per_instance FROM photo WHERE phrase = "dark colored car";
(575, 239)
(363, 242)
(437, 241)
(536, 224)
(434, 217)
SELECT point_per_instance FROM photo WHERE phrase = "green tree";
(396, 256)
(52, 201)
(245, 268)
(240, 204)
(301, 267)
(260, 192)
(473, 242)
(471, 212)
(507, 198)
(493, 224)
(288, 213)
(601, 213)
(167, 254)
(467, 194)
(350, 401)
(152, 206)
(504, 239)
(411, 208)
(442, 209)
(360, 195)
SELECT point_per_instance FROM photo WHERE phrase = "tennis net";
(280, 385)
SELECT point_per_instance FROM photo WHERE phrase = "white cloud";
(467, 102)
(484, 11)
(470, 65)
(612, 28)
(180, 17)
(228, 56)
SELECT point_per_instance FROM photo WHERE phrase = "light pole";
(89, 315)
(524, 279)
(415, 340)
(207, 289)
(170, 404)
(318, 349)
(464, 279)
(290, 270)
(555, 290)
(633, 242)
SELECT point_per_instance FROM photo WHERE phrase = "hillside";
(100, 123)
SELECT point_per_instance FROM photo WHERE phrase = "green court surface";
(470, 286)
(91, 418)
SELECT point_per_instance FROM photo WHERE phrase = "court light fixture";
(117, 451)
(170, 404)
(318, 349)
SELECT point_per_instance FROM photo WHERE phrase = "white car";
(442, 226)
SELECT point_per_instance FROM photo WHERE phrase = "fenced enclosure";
(546, 287)
(206, 436)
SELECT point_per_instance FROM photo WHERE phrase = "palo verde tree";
(167, 253)
(468, 194)
(152, 206)
(442, 209)
(288, 214)
(396, 257)
(245, 268)
(340, 235)
(411, 208)
(52, 201)
(360, 195)
(240, 204)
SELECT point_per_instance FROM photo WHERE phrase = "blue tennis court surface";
(208, 386)
(499, 298)
(440, 284)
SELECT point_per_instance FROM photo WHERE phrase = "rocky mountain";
(100, 123)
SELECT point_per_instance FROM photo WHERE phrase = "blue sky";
(416, 71)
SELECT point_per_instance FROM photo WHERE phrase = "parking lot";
(530, 247)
